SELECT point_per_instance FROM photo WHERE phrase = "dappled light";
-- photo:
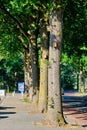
(75, 108)
(43, 64)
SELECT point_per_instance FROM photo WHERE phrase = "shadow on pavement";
(84, 125)
(2, 108)
(4, 114)
(7, 112)
(76, 106)
(3, 117)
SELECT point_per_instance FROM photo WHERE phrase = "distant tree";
(26, 34)
(74, 28)
(11, 72)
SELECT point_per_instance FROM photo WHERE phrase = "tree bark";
(34, 65)
(81, 81)
(55, 112)
(28, 75)
(42, 105)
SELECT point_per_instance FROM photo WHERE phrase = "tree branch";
(15, 20)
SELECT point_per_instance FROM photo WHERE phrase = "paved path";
(75, 108)
(15, 115)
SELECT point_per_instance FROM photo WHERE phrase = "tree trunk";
(55, 112)
(42, 105)
(28, 75)
(81, 81)
(34, 64)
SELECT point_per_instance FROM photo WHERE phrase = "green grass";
(26, 100)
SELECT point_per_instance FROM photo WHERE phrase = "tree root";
(49, 123)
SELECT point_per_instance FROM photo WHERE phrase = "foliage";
(28, 16)
(75, 16)
(68, 72)
(84, 63)
(74, 40)
(8, 69)
(9, 38)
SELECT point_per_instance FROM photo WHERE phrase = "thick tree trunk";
(34, 64)
(28, 74)
(42, 105)
(55, 112)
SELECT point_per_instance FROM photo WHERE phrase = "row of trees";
(34, 29)
(75, 45)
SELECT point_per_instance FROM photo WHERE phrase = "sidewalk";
(15, 115)
(75, 108)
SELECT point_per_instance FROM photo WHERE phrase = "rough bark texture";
(55, 112)
(81, 81)
(34, 64)
(42, 104)
(28, 74)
